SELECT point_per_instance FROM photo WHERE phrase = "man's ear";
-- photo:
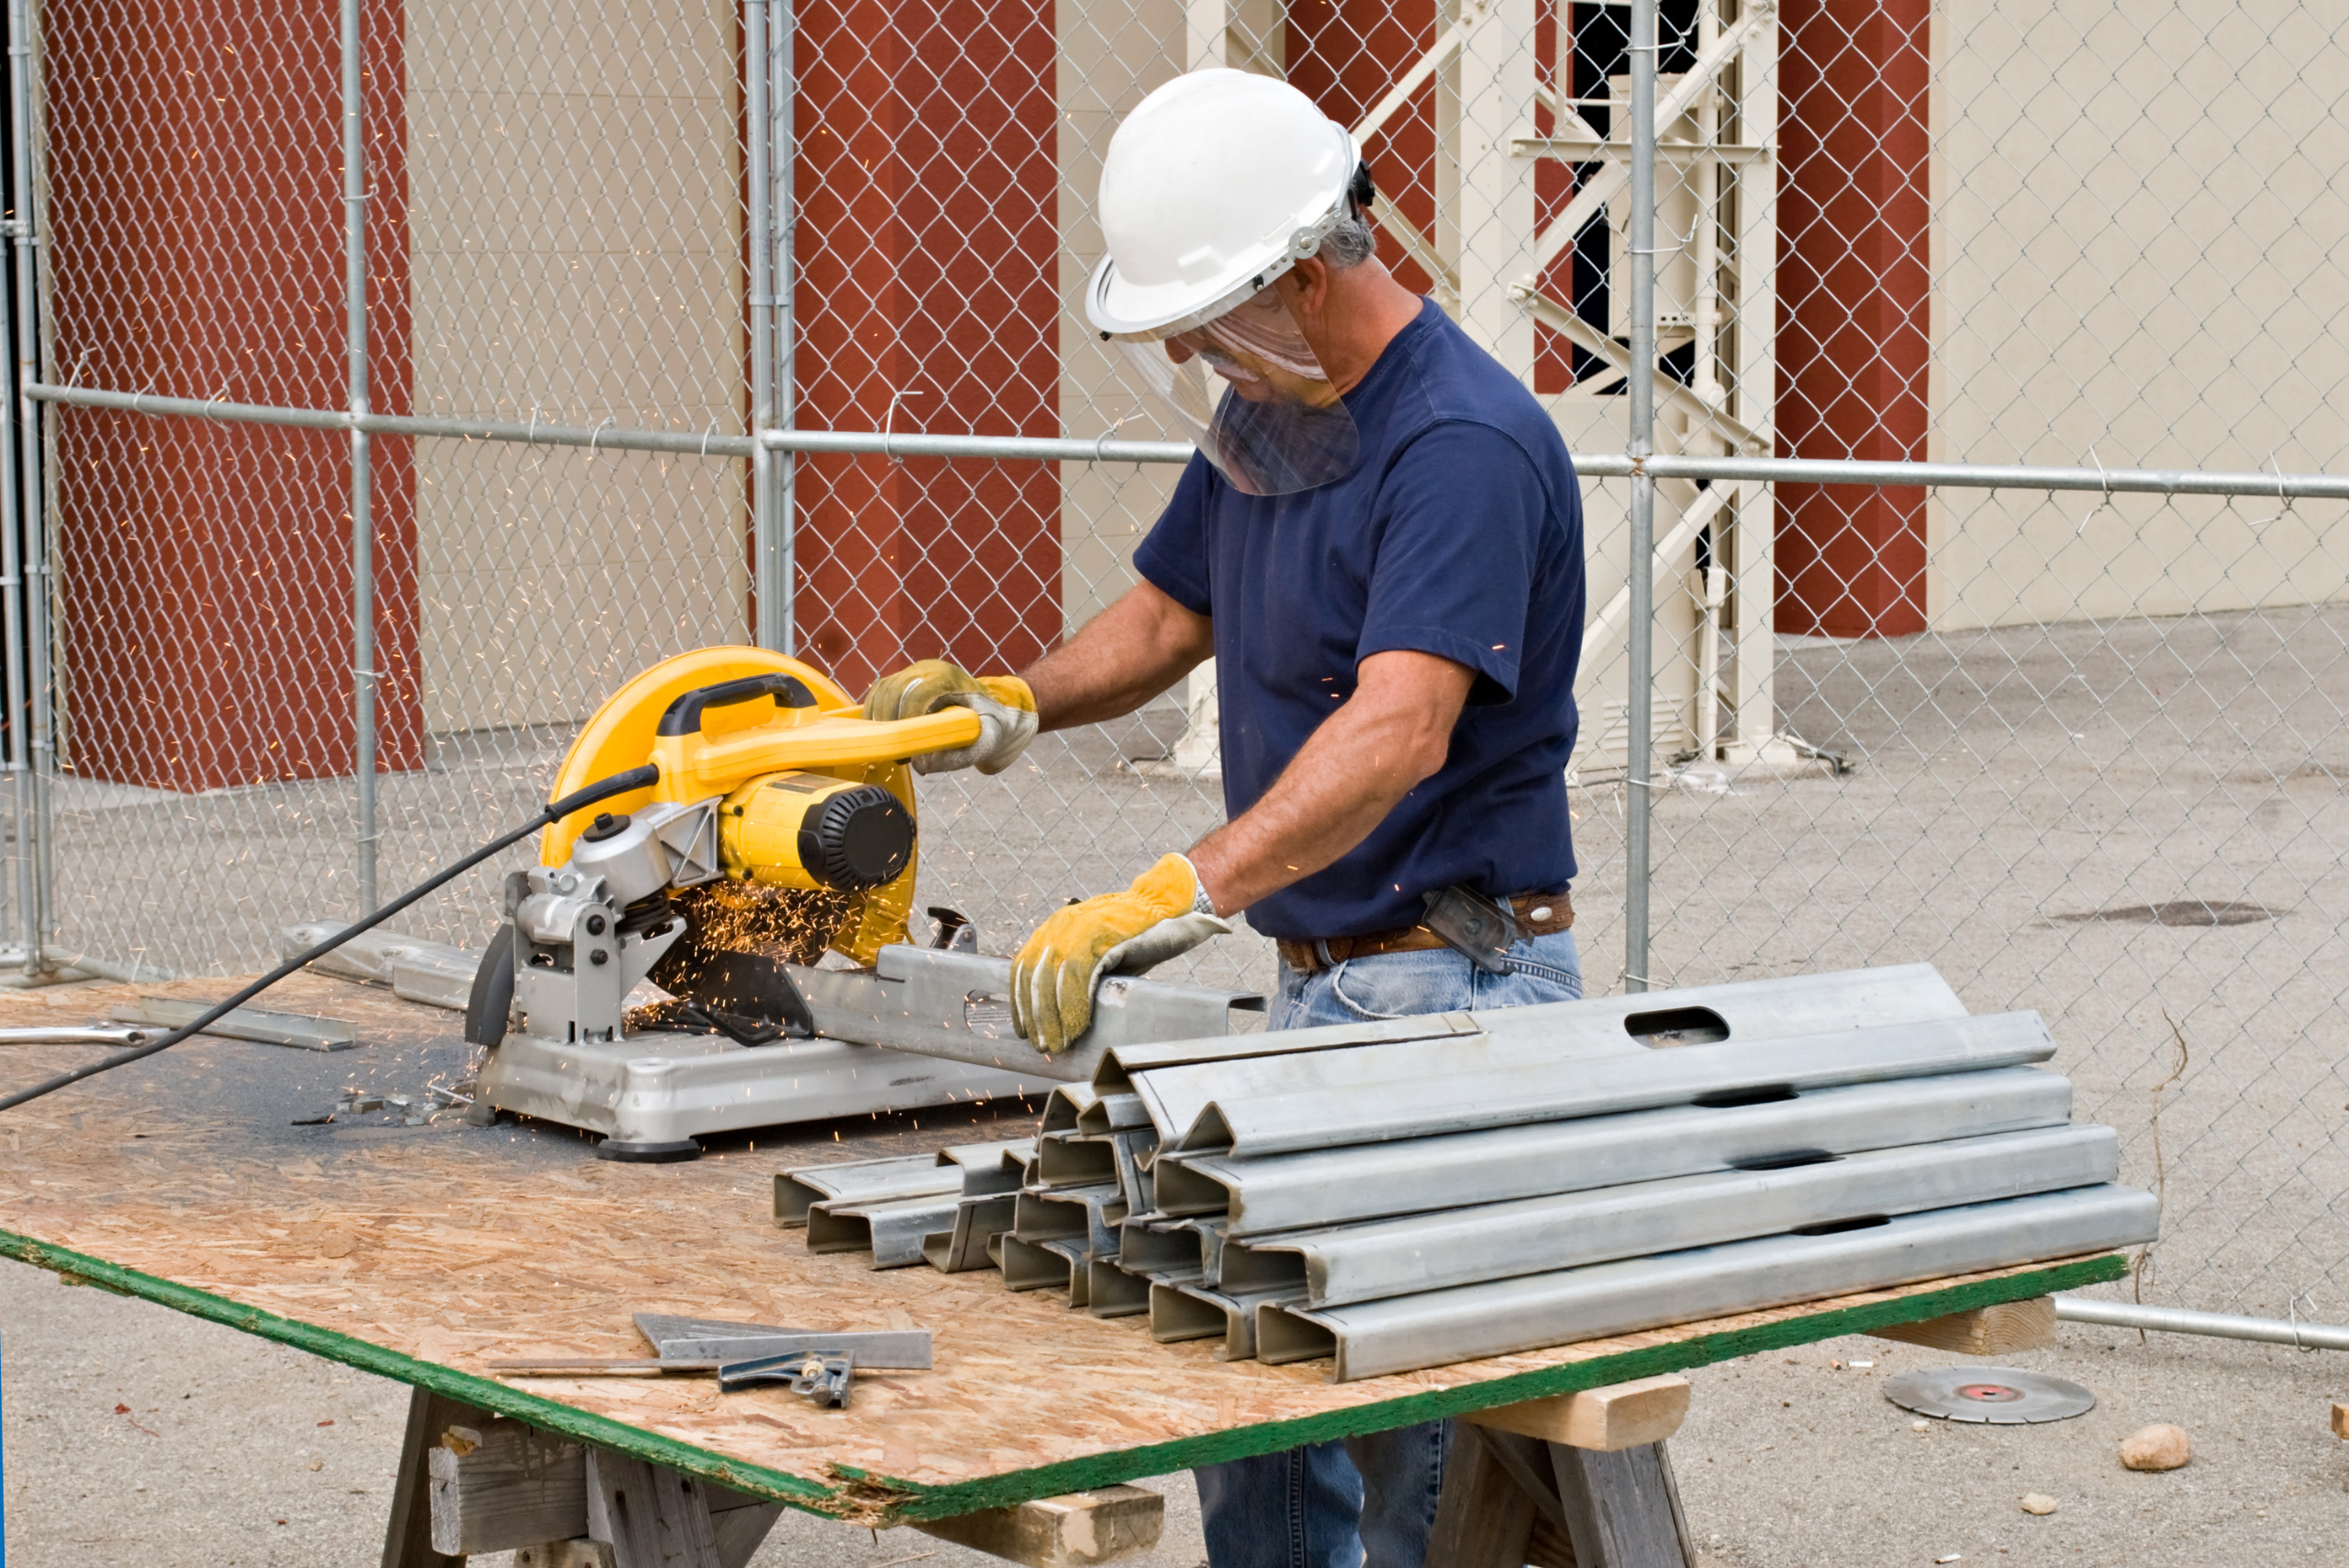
(1307, 286)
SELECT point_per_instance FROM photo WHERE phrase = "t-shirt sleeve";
(1172, 557)
(1460, 520)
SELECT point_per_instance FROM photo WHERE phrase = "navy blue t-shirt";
(1459, 534)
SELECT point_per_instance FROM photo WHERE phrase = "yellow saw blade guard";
(731, 741)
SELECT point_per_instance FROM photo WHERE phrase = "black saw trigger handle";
(682, 716)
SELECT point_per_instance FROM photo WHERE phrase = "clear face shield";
(1248, 390)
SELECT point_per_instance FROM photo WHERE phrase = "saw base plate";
(653, 1093)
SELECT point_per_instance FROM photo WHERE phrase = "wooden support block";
(1622, 1508)
(407, 1539)
(1621, 1415)
(2340, 1420)
(1996, 1330)
(649, 1516)
(579, 1553)
(1483, 1517)
(498, 1486)
(1060, 1532)
(741, 1531)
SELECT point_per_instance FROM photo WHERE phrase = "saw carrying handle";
(682, 716)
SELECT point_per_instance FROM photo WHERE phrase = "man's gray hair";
(1350, 244)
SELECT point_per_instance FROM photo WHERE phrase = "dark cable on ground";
(619, 784)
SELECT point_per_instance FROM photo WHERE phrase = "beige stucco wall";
(575, 222)
(2139, 251)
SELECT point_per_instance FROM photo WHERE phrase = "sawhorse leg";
(470, 1482)
(1579, 1481)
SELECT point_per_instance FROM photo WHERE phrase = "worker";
(1379, 541)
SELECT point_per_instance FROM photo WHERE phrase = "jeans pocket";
(1402, 985)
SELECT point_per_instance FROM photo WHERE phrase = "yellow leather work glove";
(1006, 711)
(1164, 912)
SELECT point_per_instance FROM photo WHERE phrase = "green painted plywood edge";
(482, 1393)
(903, 1500)
(916, 1502)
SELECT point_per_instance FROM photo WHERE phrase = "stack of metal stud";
(1412, 1193)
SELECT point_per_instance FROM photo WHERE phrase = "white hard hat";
(1216, 185)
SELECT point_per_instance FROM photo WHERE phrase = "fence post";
(784, 585)
(362, 533)
(760, 241)
(1639, 255)
(39, 918)
(12, 627)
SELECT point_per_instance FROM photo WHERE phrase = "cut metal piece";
(1066, 1105)
(1337, 1187)
(1176, 1314)
(1075, 1159)
(1087, 1216)
(1056, 1264)
(1113, 1113)
(1745, 1010)
(861, 1181)
(708, 1337)
(891, 1231)
(1112, 1292)
(91, 1034)
(1465, 1101)
(936, 1003)
(989, 1167)
(1405, 1333)
(297, 1029)
(1239, 1309)
(373, 956)
(1156, 1247)
(1999, 1395)
(1452, 1246)
(978, 1220)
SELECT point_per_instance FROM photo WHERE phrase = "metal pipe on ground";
(1731, 1073)
(1439, 1327)
(1437, 1250)
(1338, 1187)
(2218, 1325)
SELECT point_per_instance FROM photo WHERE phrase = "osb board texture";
(426, 1252)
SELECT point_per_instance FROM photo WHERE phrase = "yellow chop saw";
(781, 829)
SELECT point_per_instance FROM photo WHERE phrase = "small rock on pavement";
(2038, 1503)
(2160, 1447)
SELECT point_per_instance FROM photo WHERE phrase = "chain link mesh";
(2085, 753)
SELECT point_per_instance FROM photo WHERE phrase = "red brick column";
(204, 570)
(926, 247)
(1854, 337)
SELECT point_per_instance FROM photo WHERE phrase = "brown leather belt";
(1538, 914)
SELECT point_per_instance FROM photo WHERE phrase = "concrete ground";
(134, 1435)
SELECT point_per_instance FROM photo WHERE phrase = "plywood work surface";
(425, 1253)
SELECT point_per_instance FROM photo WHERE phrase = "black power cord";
(619, 784)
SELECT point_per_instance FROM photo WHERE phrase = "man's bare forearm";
(1118, 661)
(1394, 732)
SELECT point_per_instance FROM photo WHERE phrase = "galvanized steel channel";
(1452, 1247)
(1373, 1338)
(1514, 1096)
(1338, 1187)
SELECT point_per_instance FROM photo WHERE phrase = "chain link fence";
(2076, 737)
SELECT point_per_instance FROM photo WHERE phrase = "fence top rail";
(608, 436)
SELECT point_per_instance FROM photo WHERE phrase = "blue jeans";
(1366, 1502)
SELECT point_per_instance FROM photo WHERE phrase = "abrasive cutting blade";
(2001, 1395)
